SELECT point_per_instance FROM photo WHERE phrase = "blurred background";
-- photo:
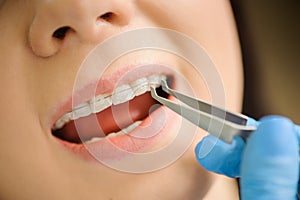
(270, 38)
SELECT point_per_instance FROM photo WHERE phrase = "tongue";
(110, 120)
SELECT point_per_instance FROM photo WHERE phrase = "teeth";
(94, 139)
(59, 124)
(131, 127)
(121, 94)
(124, 131)
(155, 80)
(140, 86)
(62, 121)
(100, 103)
(82, 110)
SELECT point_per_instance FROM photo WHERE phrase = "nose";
(59, 23)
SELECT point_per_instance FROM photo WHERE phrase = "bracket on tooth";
(121, 94)
(100, 104)
(140, 86)
(82, 111)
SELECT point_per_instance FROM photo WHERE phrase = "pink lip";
(152, 129)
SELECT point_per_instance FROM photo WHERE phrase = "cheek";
(213, 27)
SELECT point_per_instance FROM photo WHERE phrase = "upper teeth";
(120, 95)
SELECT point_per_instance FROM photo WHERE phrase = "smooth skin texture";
(37, 71)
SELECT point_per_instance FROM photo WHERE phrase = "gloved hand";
(267, 164)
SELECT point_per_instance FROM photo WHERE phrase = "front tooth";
(131, 127)
(100, 103)
(140, 86)
(112, 135)
(125, 130)
(94, 139)
(122, 94)
(81, 111)
(121, 132)
(155, 80)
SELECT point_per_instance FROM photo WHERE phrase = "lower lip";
(154, 132)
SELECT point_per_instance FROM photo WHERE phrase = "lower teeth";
(124, 131)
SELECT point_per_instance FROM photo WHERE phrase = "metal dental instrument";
(217, 121)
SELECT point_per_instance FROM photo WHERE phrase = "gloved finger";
(220, 157)
(270, 164)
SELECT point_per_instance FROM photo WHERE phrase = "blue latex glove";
(268, 164)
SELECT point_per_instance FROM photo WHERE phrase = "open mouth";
(117, 113)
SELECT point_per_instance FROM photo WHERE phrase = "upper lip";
(106, 84)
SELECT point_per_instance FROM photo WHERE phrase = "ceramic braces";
(120, 95)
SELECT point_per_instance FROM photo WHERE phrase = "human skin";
(38, 71)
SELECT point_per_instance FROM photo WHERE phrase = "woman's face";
(43, 45)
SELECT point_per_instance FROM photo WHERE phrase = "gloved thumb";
(270, 164)
(220, 157)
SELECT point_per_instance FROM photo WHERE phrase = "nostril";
(107, 16)
(61, 32)
(115, 18)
